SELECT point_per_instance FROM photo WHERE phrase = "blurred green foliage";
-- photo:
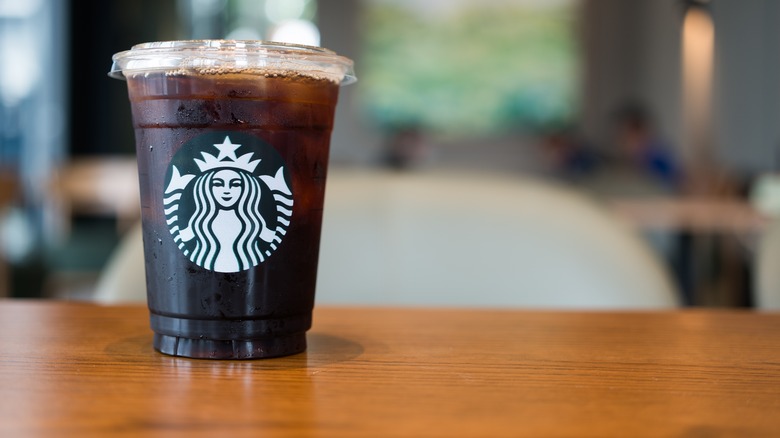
(480, 69)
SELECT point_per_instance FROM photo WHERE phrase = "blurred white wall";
(747, 82)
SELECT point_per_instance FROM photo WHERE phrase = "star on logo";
(227, 150)
(227, 158)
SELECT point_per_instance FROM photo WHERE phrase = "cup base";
(236, 349)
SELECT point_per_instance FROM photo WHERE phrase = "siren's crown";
(227, 158)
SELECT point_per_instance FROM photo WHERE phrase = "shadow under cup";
(232, 141)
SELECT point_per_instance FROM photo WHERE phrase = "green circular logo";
(227, 200)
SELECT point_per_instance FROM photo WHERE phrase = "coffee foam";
(288, 74)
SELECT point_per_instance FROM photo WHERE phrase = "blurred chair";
(765, 194)
(98, 186)
(767, 292)
(82, 190)
(452, 240)
(123, 278)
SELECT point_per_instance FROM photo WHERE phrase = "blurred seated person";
(640, 164)
(641, 149)
(567, 157)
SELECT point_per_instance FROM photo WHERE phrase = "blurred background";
(664, 113)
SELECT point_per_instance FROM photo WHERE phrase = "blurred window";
(32, 94)
(290, 21)
(470, 67)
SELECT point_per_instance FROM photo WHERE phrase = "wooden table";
(82, 370)
(697, 215)
(709, 242)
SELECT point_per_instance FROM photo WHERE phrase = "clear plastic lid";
(215, 56)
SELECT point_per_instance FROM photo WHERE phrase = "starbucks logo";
(227, 201)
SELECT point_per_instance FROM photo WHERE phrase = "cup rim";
(232, 55)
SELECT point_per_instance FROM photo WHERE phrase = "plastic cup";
(232, 141)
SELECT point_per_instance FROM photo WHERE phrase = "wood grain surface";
(83, 370)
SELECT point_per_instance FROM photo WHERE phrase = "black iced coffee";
(232, 158)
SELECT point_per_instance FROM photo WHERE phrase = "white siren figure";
(230, 233)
